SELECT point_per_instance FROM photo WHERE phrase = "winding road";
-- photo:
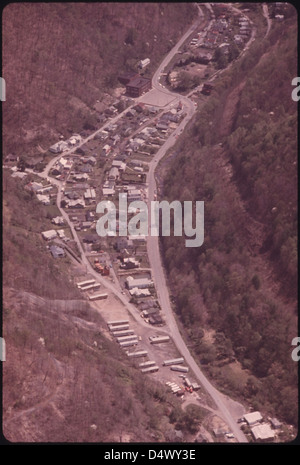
(158, 274)
(226, 408)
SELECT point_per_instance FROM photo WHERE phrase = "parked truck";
(147, 364)
(126, 338)
(174, 361)
(133, 342)
(125, 332)
(103, 270)
(118, 328)
(183, 369)
(159, 339)
(139, 353)
(117, 322)
(150, 369)
(85, 283)
(98, 296)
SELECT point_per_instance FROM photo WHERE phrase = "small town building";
(59, 147)
(78, 203)
(90, 194)
(57, 252)
(106, 149)
(218, 432)
(123, 243)
(113, 173)
(262, 432)
(139, 292)
(45, 199)
(86, 224)
(85, 169)
(91, 160)
(61, 233)
(137, 86)
(19, 174)
(131, 112)
(91, 238)
(133, 195)
(162, 126)
(49, 235)
(140, 283)
(276, 424)
(108, 191)
(119, 164)
(58, 220)
(34, 186)
(155, 319)
(81, 177)
(64, 163)
(11, 158)
(143, 63)
(129, 263)
(149, 312)
(253, 418)
(90, 216)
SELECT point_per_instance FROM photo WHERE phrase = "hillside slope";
(65, 381)
(240, 157)
(59, 59)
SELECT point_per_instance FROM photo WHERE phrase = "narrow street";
(225, 408)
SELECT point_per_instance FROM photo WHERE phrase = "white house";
(90, 194)
(64, 163)
(140, 283)
(119, 164)
(58, 220)
(108, 191)
(45, 199)
(59, 147)
(253, 418)
(143, 63)
(61, 233)
(262, 432)
(76, 203)
(49, 235)
(139, 292)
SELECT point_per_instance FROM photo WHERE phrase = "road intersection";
(226, 408)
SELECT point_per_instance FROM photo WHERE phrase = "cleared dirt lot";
(157, 98)
(113, 309)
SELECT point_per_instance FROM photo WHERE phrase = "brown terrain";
(64, 361)
(59, 59)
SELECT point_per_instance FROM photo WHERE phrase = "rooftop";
(262, 432)
(138, 82)
(252, 417)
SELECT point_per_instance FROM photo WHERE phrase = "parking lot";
(157, 98)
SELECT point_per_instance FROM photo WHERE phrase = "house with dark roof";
(137, 86)
(126, 77)
(91, 238)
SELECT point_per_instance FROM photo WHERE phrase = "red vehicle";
(207, 88)
(104, 270)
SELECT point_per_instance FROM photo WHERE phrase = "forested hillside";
(64, 380)
(60, 58)
(240, 157)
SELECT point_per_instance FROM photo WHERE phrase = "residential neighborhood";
(124, 276)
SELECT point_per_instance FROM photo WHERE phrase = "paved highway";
(156, 263)
(153, 246)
